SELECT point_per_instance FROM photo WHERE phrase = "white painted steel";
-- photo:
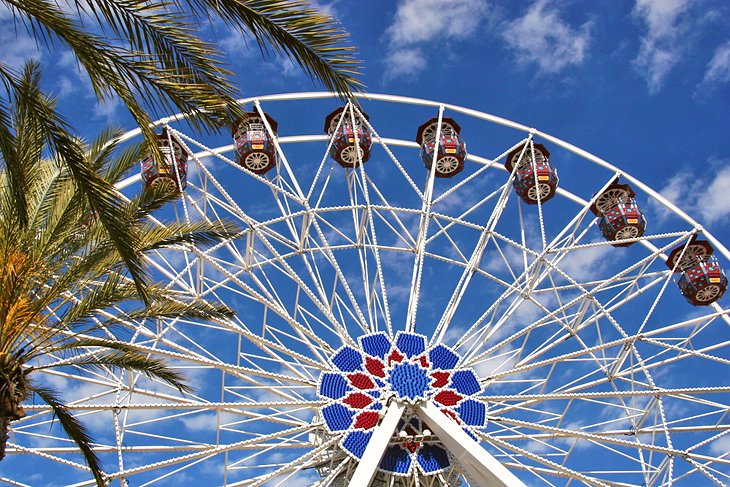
(481, 467)
(368, 465)
(588, 363)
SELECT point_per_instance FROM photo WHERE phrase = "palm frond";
(123, 161)
(16, 177)
(118, 355)
(74, 428)
(200, 233)
(101, 196)
(150, 200)
(169, 308)
(142, 80)
(101, 149)
(297, 30)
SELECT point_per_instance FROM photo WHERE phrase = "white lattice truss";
(594, 368)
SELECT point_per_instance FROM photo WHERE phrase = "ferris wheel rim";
(321, 138)
(311, 95)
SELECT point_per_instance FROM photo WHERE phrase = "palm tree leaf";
(140, 79)
(293, 28)
(123, 162)
(118, 355)
(101, 196)
(103, 200)
(191, 310)
(150, 200)
(100, 151)
(200, 233)
(16, 178)
(154, 27)
(75, 430)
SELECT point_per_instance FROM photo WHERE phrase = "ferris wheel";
(426, 295)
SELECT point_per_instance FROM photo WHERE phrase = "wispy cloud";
(702, 197)
(330, 8)
(718, 69)
(664, 43)
(541, 37)
(18, 46)
(242, 50)
(419, 23)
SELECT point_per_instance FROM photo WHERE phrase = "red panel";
(448, 398)
(442, 378)
(358, 400)
(361, 381)
(375, 367)
(366, 420)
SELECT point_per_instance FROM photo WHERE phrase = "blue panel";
(376, 345)
(356, 442)
(397, 460)
(337, 417)
(409, 381)
(333, 385)
(442, 358)
(432, 458)
(466, 382)
(411, 344)
(472, 412)
(347, 359)
(472, 435)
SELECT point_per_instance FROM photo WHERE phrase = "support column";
(479, 464)
(368, 465)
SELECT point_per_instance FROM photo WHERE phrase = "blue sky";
(644, 85)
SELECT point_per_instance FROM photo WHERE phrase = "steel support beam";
(368, 465)
(480, 465)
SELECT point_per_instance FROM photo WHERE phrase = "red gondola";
(255, 149)
(536, 179)
(351, 143)
(173, 168)
(701, 280)
(451, 152)
(620, 215)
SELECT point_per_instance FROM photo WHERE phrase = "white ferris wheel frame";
(480, 466)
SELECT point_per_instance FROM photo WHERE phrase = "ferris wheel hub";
(405, 370)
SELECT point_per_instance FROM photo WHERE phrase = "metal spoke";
(372, 312)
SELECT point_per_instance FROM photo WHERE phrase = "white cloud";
(404, 62)
(5, 12)
(541, 37)
(718, 69)
(424, 20)
(419, 22)
(18, 47)
(242, 50)
(107, 108)
(65, 87)
(586, 263)
(67, 59)
(71, 79)
(701, 197)
(665, 40)
(721, 445)
(199, 422)
(329, 8)
(235, 44)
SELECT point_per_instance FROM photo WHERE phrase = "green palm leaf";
(73, 428)
(64, 282)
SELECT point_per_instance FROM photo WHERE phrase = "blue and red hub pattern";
(362, 380)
